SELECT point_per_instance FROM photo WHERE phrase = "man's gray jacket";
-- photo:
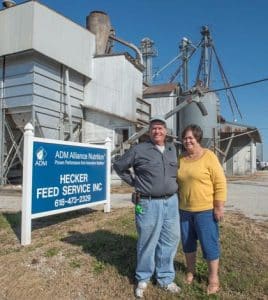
(155, 172)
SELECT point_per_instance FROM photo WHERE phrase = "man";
(157, 219)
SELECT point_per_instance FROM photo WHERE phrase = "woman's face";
(189, 141)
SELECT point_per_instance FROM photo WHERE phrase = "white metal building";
(238, 143)
(163, 98)
(52, 76)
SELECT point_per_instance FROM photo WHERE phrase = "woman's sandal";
(213, 288)
(189, 278)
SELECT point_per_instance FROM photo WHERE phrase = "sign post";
(107, 206)
(60, 176)
(26, 207)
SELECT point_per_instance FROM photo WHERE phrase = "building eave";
(232, 128)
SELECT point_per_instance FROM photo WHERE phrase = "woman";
(202, 187)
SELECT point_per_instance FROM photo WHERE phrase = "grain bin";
(191, 114)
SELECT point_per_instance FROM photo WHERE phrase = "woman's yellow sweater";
(201, 182)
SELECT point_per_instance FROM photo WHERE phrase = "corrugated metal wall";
(18, 81)
(36, 82)
(115, 86)
(241, 159)
(98, 126)
(34, 90)
(161, 106)
(49, 98)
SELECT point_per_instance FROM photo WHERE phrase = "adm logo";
(40, 157)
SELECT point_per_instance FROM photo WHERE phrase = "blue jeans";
(158, 228)
(200, 226)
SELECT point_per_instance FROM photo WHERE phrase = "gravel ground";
(249, 196)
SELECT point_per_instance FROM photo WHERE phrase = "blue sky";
(239, 29)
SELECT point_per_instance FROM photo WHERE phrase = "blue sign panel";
(66, 176)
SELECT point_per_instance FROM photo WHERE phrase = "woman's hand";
(218, 210)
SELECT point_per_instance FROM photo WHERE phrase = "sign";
(65, 176)
(60, 176)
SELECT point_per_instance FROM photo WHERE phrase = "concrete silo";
(98, 22)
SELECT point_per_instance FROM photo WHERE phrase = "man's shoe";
(141, 287)
(172, 288)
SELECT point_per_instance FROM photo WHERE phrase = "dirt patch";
(121, 189)
(250, 230)
(258, 176)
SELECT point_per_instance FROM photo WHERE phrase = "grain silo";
(191, 114)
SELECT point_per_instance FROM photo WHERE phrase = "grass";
(52, 252)
(92, 256)
(8, 220)
(75, 264)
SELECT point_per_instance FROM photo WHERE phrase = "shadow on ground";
(108, 248)
(14, 219)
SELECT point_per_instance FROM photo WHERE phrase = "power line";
(232, 87)
(238, 85)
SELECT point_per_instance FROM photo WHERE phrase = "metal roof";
(166, 88)
(32, 25)
(128, 57)
(229, 128)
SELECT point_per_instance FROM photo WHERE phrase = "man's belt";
(155, 197)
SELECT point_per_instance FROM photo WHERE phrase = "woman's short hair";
(196, 130)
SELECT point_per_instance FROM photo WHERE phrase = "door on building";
(121, 135)
(241, 160)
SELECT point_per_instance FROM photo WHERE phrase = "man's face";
(158, 133)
